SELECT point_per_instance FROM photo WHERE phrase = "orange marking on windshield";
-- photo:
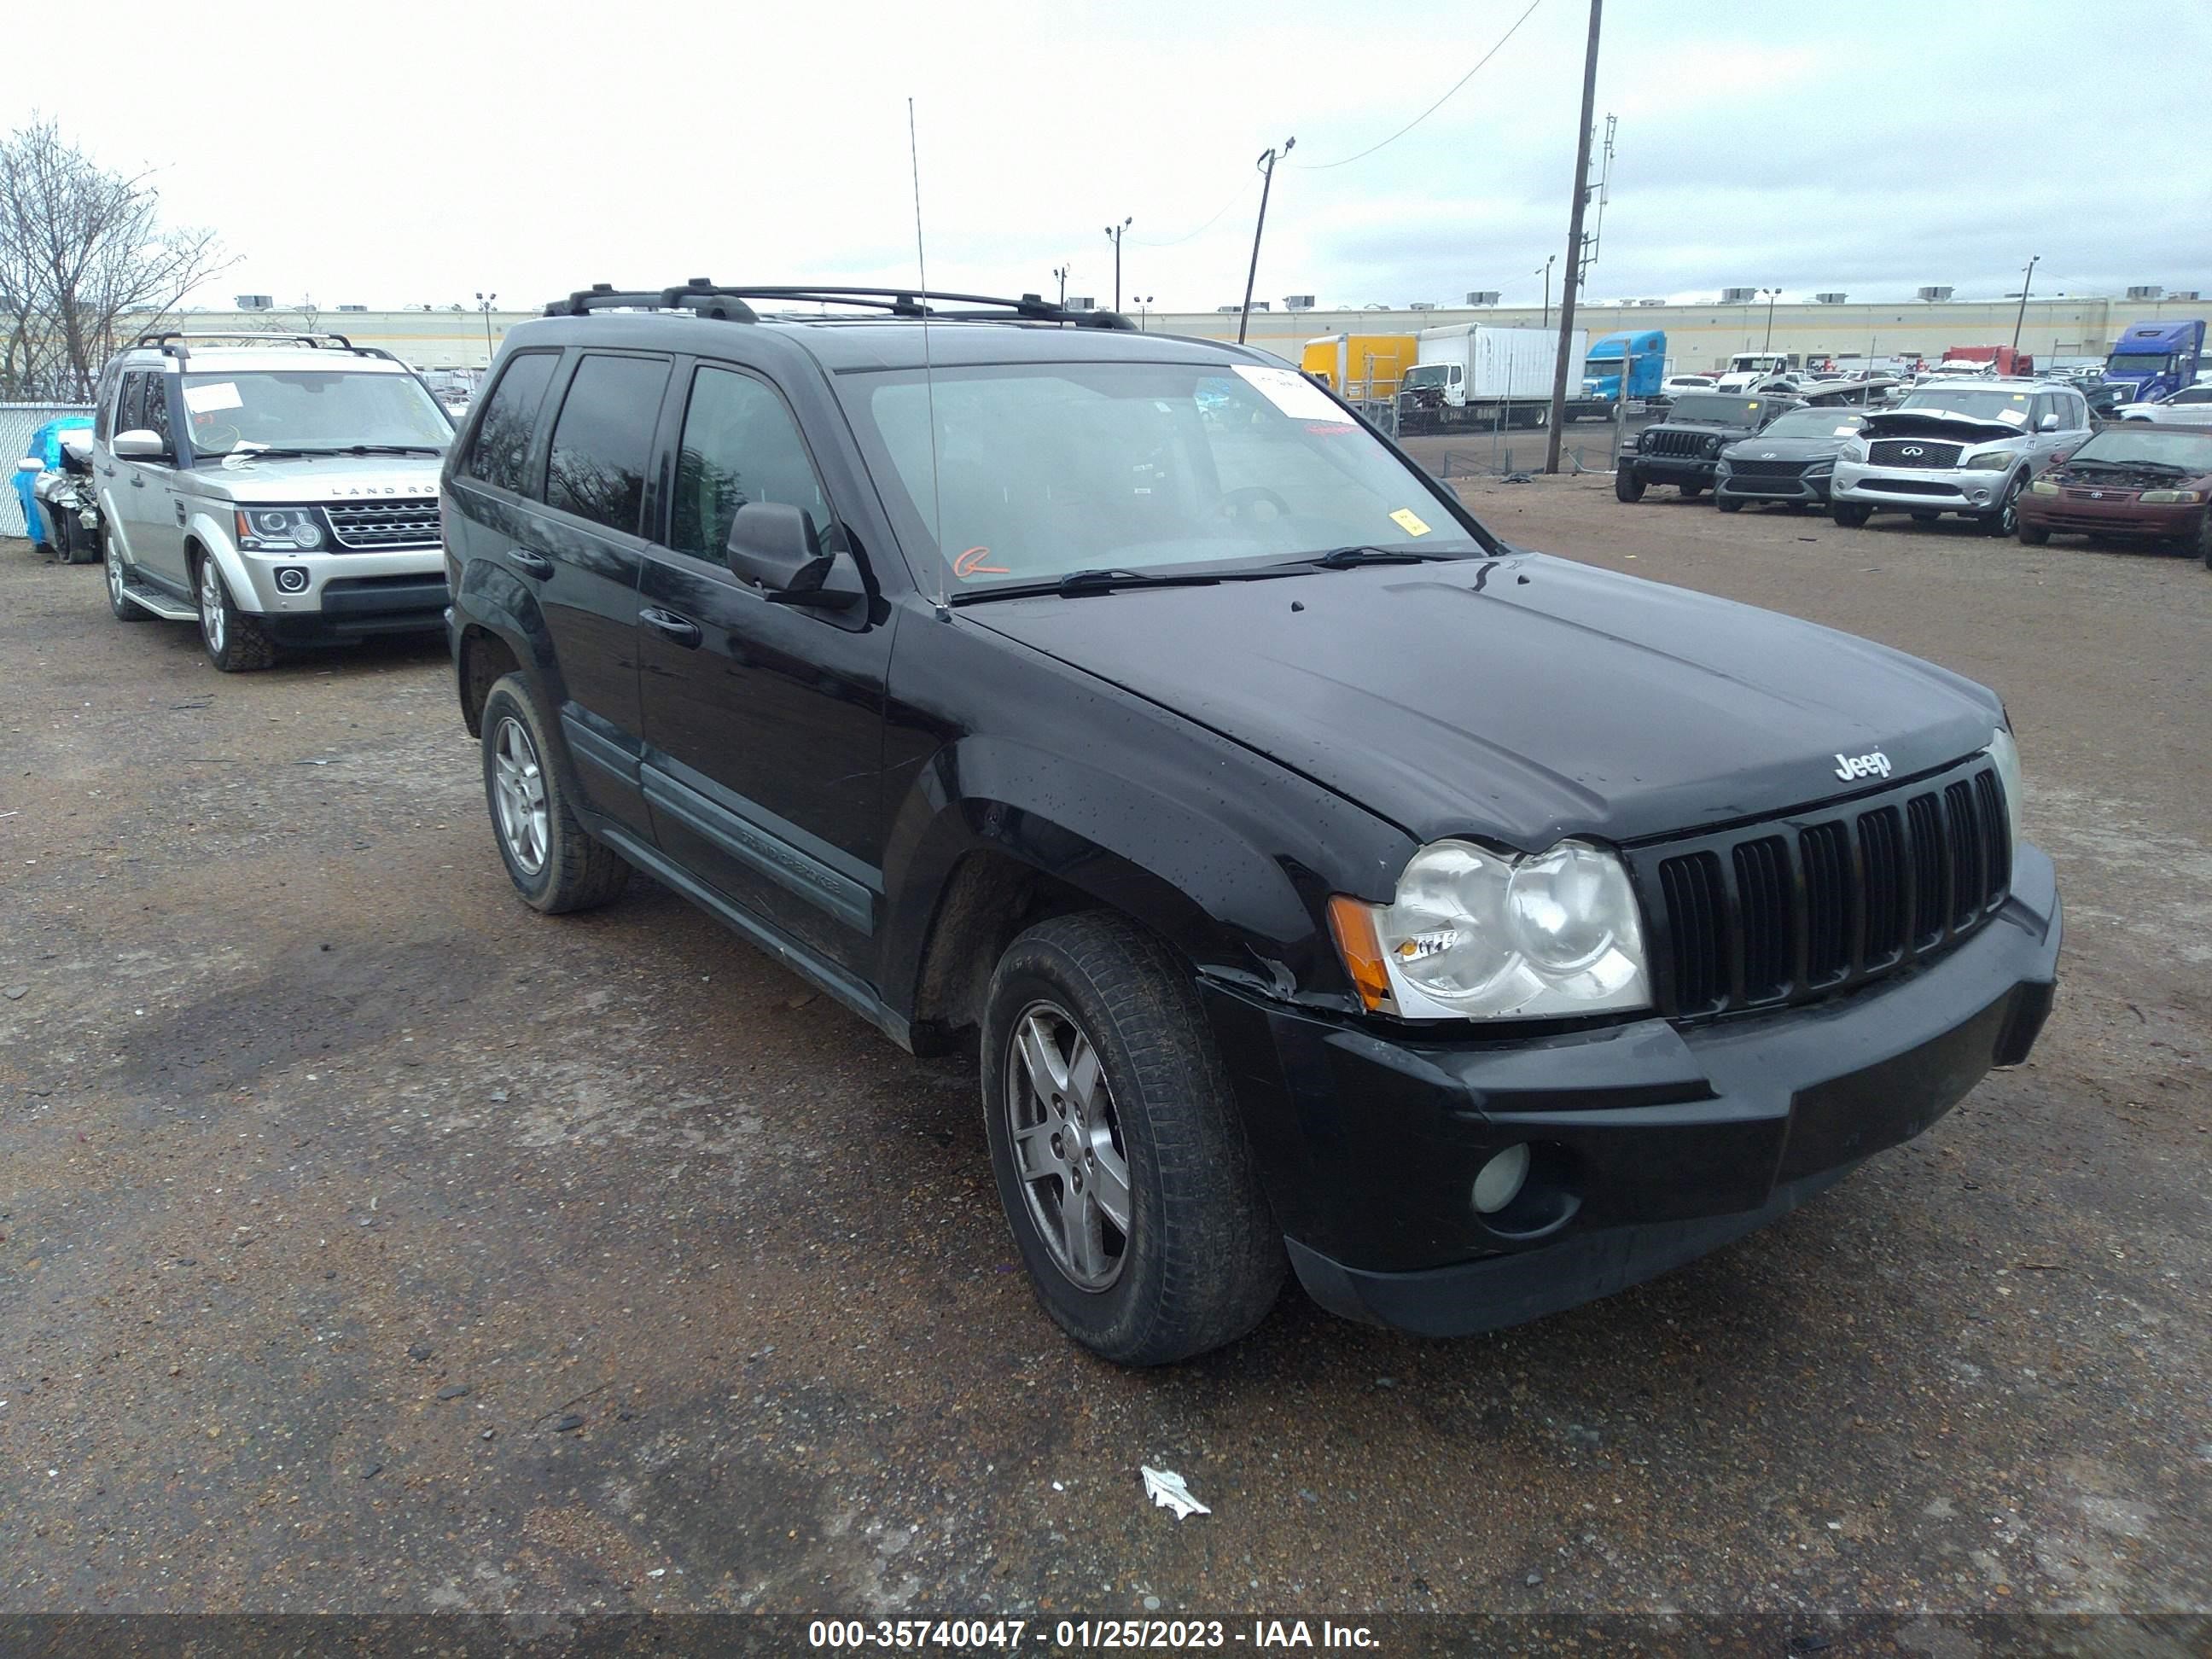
(970, 563)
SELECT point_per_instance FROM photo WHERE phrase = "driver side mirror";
(2048, 423)
(772, 544)
(140, 443)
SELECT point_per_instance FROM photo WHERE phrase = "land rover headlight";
(2004, 754)
(1987, 460)
(280, 529)
(1474, 934)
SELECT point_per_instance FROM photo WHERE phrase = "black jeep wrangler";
(1684, 449)
(1330, 887)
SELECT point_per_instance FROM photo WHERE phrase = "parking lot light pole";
(1773, 294)
(1060, 271)
(2026, 281)
(1113, 235)
(1546, 273)
(1144, 304)
(484, 303)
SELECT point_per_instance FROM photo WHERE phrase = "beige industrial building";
(1698, 336)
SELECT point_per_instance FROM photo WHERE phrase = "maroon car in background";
(2133, 480)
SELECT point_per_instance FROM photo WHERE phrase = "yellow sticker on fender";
(1409, 521)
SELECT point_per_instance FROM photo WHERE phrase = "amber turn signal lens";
(1352, 925)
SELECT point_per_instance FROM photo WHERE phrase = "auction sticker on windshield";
(1291, 392)
(1409, 521)
(206, 400)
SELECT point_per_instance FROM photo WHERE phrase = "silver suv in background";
(1966, 447)
(278, 489)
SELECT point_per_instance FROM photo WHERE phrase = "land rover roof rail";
(178, 345)
(710, 299)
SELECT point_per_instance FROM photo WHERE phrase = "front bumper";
(1912, 489)
(1809, 488)
(2076, 513)
(346, 596)
(1671, 469)
(1653, 1143)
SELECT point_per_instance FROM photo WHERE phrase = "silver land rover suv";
(1966, 445)
(278, 490)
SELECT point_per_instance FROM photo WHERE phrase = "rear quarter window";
(500, 453)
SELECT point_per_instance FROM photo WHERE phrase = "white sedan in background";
(2190, 406)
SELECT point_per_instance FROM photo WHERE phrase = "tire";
(236, 642)
(126, 608)
(2036, 537)
(1691, 491)
(1926, 517)
(1728, 503)
(1849, 514)
(2004, 520)
(2204, 537)
(555, 863)
(1626, 486)
(1199, 1260)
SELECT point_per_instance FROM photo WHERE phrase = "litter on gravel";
(1166, 1488)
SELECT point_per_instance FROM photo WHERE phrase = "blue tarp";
(46, 445)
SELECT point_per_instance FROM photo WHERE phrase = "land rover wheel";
(1114, 1141)
(236, 642)
(1626, 486)
(2004, 519)
(555, 863)
(126, 608)
(1849, 514)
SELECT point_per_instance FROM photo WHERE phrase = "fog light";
(1499, 1181)
(292, 578)
(1981, 494)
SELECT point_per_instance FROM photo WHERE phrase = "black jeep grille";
(1658, 441)
(1798, 907)
(1912, 452)
(364, 525)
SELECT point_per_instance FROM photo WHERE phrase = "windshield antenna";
(928, 373)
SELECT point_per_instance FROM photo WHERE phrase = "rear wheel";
(1626, 486)
(2204, 537)
(1123, 1168)
(1849, 514)
(126, 608)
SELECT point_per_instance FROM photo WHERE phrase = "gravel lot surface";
(370, 1243)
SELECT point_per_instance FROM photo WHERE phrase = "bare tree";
(80, 246)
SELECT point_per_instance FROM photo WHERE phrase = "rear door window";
(603, 438)
(500, 454)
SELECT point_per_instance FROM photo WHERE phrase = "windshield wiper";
(387, 449)
(1343, 558)
(1076, 583)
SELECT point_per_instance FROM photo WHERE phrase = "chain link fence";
(17, 422)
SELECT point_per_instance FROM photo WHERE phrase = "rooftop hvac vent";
(1830, 299)
(1297, 302)
(353, 307)
(256, 302)
(2146, 291)
(1934, 294)
(1421, 305)
(1081, 302)
(1482, 296)
(1651, 302)
(1738, 296)
(2184, 294)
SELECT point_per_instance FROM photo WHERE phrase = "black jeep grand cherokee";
(1684, 448)
(1332, 886)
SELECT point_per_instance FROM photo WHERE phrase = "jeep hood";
(321, 479)
(1938, 423)
(1521, 698)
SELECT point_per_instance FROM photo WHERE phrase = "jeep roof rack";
(709, 299)
(174, 343)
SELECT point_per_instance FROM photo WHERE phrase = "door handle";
(670, 626)
(530, 563)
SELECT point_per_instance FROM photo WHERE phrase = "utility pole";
(2026, 284)
(1113, 235)
(1144, 304)
(1574, 247)
(1546, 273)
(1060, 271)
(1267, 166)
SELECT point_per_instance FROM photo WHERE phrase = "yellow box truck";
(1361, 365)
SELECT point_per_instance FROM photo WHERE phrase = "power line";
(1322, 167)
(1242, 192)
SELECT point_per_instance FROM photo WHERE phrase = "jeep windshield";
(2138, 443)
(312, 412)
(1715, 410)
(1127, 472)
(1977, 403)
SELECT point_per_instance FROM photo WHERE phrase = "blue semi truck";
(2155, 359)
(1635, 356)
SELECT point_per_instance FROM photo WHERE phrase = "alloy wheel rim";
(211, 605)
(1069, 1154)
(114, 572)
(519, 796)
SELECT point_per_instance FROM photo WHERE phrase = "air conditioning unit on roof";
(1738, 296)
(1932, 294)
(1830, 299)
(1482, 296)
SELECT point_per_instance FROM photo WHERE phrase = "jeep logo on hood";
(1872, 764)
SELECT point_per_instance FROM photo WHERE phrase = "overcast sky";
(395, 154)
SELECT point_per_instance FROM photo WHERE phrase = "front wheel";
(1728, 503)
(1120, 1159)
(2004, 520)
(2204, 537)
(236, 642)
(1691, 491)
(1626, 486)
(554, 862)
(2034, 536)
(1849, 514)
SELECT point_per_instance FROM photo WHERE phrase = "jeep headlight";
(1712, 445)
(280, 529)
(1474, 934)
(2004, 754)
(1987, 460)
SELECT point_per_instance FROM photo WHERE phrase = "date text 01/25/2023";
(1260, 1636)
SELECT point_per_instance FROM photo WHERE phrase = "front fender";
(211, 535)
